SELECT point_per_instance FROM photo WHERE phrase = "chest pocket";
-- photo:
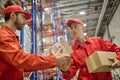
(79, 57)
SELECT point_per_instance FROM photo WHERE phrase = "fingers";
(66, 66)
(59, 51)
(62, 60)
(51, 52)
(115, 62)
(111, 58)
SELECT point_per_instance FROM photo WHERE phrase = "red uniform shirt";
(13, 61)
(82, 51)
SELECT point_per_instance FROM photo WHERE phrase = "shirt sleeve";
(67, 75)
(110, 46)
(13, 55)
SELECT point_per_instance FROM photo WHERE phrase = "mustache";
(17, 23)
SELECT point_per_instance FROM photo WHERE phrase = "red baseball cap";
(75, 20)
(16, 8)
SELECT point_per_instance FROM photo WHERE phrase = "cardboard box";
(64, 44)
(98, 62)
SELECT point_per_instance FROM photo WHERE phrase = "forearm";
(35, 62)
(28, 62)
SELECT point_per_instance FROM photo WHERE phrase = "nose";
(73, 29)
(24, 22)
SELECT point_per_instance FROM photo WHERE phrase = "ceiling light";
(85, 24)
(85, 34)
(43, 40)
(82, 13)
(46, 9)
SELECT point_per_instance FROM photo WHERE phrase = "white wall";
(106, 35)
(114, 27)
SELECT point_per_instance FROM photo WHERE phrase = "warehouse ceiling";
(87, 10)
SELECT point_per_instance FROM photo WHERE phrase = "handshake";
(62, 52)
(63, 60)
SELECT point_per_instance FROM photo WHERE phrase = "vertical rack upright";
(55, 25)
(34, 36)
(42, 34)
(22, 31)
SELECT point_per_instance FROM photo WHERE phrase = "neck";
(11, 26)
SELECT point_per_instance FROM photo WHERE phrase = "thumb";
(114, 64)
(59, 51)
(67, 56)
(111, 58)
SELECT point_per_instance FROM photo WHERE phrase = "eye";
(23, 15)
(75, 26)
(71, 28)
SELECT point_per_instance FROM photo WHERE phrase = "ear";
(83, 27)
(12, 15)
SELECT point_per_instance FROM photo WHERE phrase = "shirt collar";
(76, 43)
(9, 30)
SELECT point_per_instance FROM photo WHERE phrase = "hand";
(116, 62)
(66, 66)
(62, 59)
